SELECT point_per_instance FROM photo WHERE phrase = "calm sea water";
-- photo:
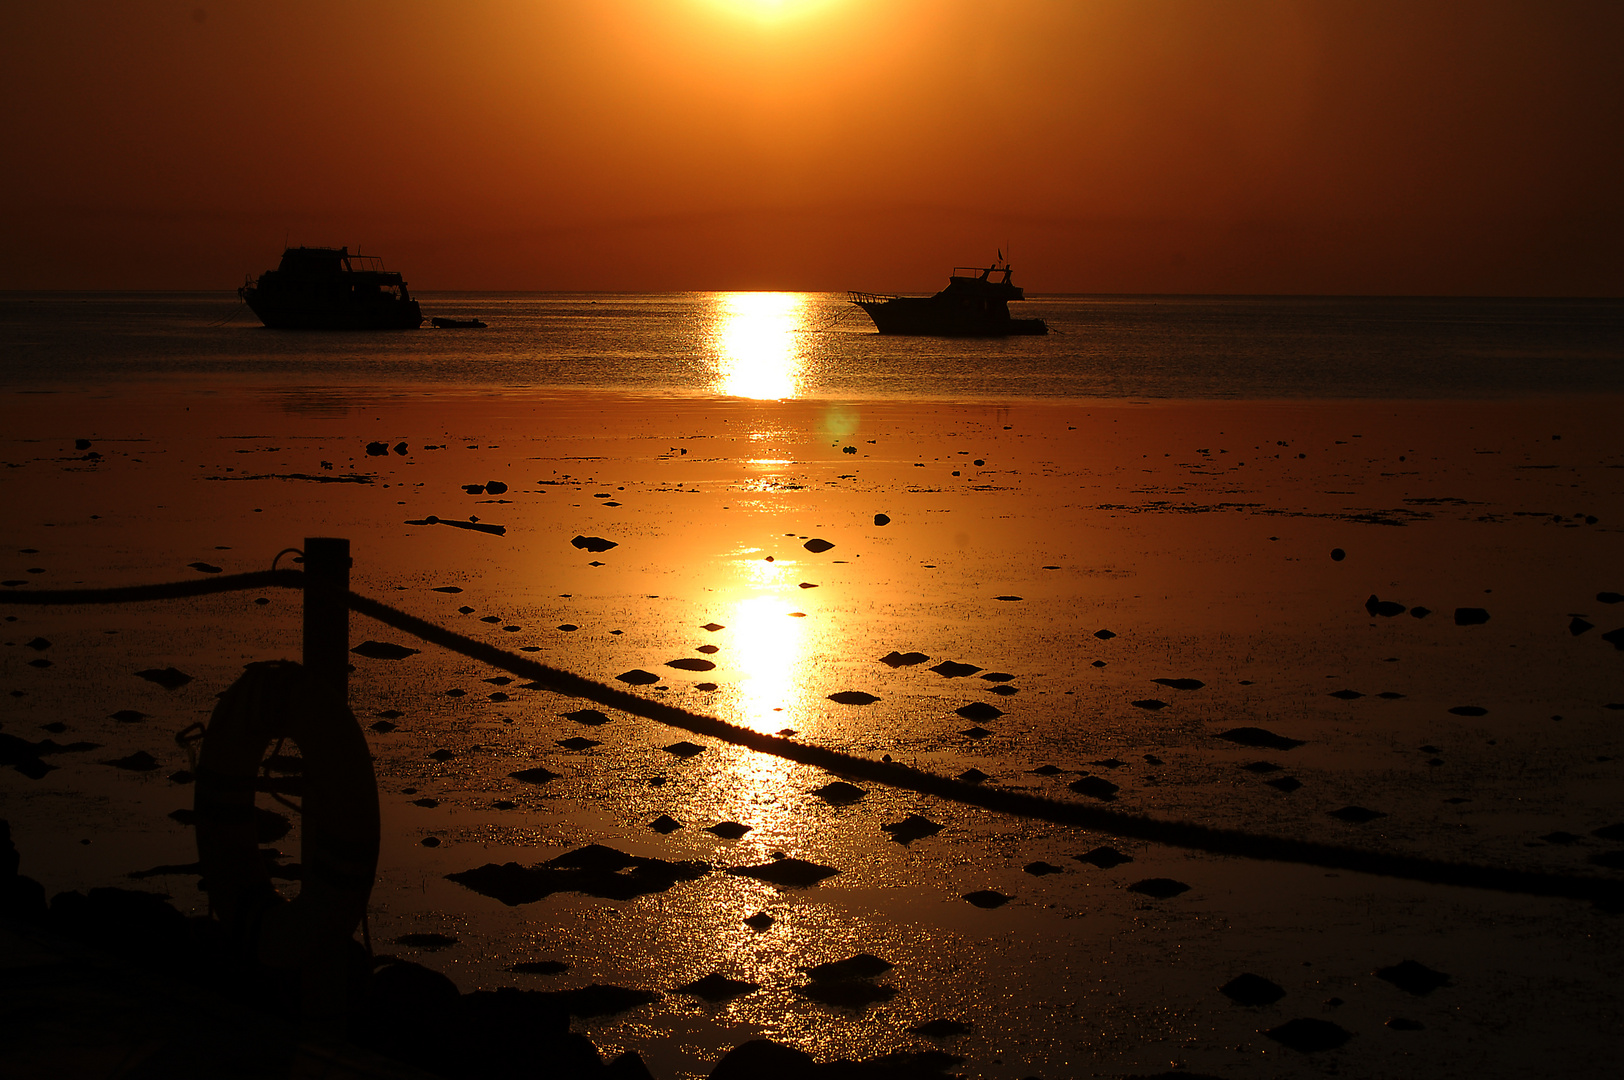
(779, 345)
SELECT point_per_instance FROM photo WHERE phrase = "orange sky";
(1115, 146)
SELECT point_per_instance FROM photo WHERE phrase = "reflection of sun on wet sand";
(1153, 586)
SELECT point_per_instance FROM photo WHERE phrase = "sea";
(818, 345)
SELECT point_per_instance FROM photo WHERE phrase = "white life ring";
(339, 827)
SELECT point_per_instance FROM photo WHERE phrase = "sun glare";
(756, 341)
(768, 652)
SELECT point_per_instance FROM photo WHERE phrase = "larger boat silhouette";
(972, 305)
(330, 289)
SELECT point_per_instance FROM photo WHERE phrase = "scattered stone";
(997, 676)
(684, 749)
(940, 1028)
(1347, 695)
(1009, 599)
(1151, 704)
(972, 776)
(168, 678)
(578, 742)
(1047, 770)
(861, 966)
(1615, 638)
(1159, 888)
(840, 793)
(1104, 857)
(1470, 616)
(539, 967)
(1609, 832)
(713, 627)
(882, 519)
(140, 761)
(1609, 598)
(706, 686)
(377, 449)
(1419, 612)
(1260, 738)
(949, 669)
(1356, 815)
(1095, 787)
(594, 544)
(759, 921)
(455, 691)
(1385, 608)
(638, 677)
(595, 870)
(1413, 977)
(897, 659)
(1307, 1035)
(1262, 767)
(383, 650)
(1469, 710)
(788, 873)
(1287, 784)
(129, 716)
(817, 546)
(382, 727)
(589, 717)
(975, 733)
(38, 644)
(1104, 635)
(987, 898)
(729, 830)
(1042, 869)
(1151, 759)
(718, 987)
(494, 487)
(1252, 990)
(979, 710)
(1180, 684)
(428, 940)
(855, 994)
(537, 775)
(852, 697)
(204, 568)
(1560, 837)
(691, 663)
(1404, 1023)
(664, 824)
(1390, 695)
(1108, 763)
(911, 828)
(1337, 554)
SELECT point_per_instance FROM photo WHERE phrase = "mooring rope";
(1179, 834)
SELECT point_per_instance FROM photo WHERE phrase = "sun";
(770, 12)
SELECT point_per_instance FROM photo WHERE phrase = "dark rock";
(1180, 684)
(382, 727)
(1262, 767)
(140, 761)
(578, 742)
(718, 987)
(1287, 784)
(1609, 598)
(665, 823)
(975, 733)
(897, 659)
(428, 940)
(1413, 977)
(691, 663)
(759, 921)
(537, 775)
(1095, 787)
(1356, 815)
(1337, 554)
(817, 546)
(595, 870)
(840, 793)
(129, 716)
(987, 898)
(1404, 1023)
(495, 487)
(881, 519)
(1419, 612)
(594, 544)
(426, 803)
(1042, 869)
(38, 644)
(856, 994)
(1009, 599)
(383, 650)
(1470, 616)
(997, 676)
(852, 697)
(789, 873)
(1254, 990)
(729, 830)
(1347, 695)
(1104, 857)
(911, 828)
(940, 1028)
(442, 755)
(377, 449)
(1261, 738)
(589, 717)
(1152, 704)
(1578, 626)
(1615, 638)
(1047, 770)
(860, 966)
(1610, 832)
(638, 677)
(1385, 608)
(761, 1058)
(168, 678)
(1159, 888)
(1108, 763)
(1469, 710)
(1104, 635)
(949, 669)
(713, 627)
(683, 749)
(204, 568)
(1307, 1035)
(972, 776)
(1612, 860)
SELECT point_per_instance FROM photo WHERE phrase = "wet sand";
(1200, 536)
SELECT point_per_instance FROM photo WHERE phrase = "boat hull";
(932, 317)
(331, 310)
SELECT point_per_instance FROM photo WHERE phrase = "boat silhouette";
(972, 305)
(330, 289)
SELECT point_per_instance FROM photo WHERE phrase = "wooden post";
(327, 615)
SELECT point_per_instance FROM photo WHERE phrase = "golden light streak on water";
(757, 344)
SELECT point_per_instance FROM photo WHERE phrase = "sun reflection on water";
(758, 348)
(768, 651)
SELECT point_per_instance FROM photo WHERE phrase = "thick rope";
(1180, 834)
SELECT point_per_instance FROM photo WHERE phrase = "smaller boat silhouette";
(330, 289)
(972, 305)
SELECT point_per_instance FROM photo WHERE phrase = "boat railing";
(868, 297)
(367, 263)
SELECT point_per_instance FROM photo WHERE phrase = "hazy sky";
(1279, 146)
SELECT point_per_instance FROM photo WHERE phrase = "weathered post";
(327, 616)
